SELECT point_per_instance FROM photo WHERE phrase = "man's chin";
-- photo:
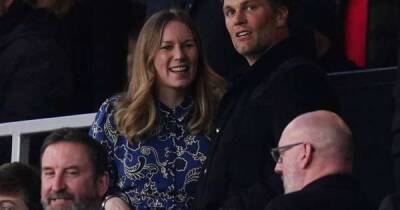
(61, 205)
(243, 50)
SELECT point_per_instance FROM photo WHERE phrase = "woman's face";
(177, 59)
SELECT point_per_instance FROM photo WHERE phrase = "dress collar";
(180, 112)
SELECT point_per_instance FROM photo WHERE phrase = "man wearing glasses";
(315, 161)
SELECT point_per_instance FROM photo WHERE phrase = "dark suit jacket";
(335, 192)
(391, 202)
(257, 106)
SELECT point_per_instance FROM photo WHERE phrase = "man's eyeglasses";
(276, 152)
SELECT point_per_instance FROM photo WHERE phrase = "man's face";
(68, 179)
(12, 202)
(288, 165)
(252, 25)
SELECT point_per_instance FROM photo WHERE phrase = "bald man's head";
(325, 130)
(326, 148)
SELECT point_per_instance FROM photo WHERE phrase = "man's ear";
(102, 184)
(306, 155)
(282, 14)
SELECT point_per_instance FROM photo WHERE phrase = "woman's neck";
(171, 97)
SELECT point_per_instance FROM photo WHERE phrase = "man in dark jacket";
(315, 161)
(277, 86)
(35, 80)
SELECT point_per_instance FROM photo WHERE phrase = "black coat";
(35, 80)
(253, 113)
(334, 192)
(391, 202)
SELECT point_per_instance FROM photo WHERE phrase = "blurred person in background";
(36, 80)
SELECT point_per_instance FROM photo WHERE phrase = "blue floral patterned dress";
(160, 172)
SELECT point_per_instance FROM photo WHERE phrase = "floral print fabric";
(160, 172)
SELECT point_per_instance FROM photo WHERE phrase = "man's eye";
(72, 172)
(7, 205)
(250, 7)
(229, 13)
(190, 44)
(48, 173)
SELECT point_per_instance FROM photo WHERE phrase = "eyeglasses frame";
(276, 152)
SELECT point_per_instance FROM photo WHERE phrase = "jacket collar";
(333, 181)
(266, 64)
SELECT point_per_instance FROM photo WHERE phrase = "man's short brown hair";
(19, 178)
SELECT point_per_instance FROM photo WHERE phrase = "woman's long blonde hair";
(136, 113)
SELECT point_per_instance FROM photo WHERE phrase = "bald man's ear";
(306, 155)
(282, 14)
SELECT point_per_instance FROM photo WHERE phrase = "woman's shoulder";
(110, 104)
(108, 108)
(112, 101)
(104, 120)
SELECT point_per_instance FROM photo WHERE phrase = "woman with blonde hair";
(156, 132)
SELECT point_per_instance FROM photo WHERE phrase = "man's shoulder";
(302, 199)
(30, 44)
(320, 196)
(292, 71)
(298, 64)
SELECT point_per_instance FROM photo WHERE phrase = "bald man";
(315, 161)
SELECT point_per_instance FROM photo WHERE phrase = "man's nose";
(239, 18)
(58, 183)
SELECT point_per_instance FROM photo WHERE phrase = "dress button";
(217, 130)
(205, 171)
